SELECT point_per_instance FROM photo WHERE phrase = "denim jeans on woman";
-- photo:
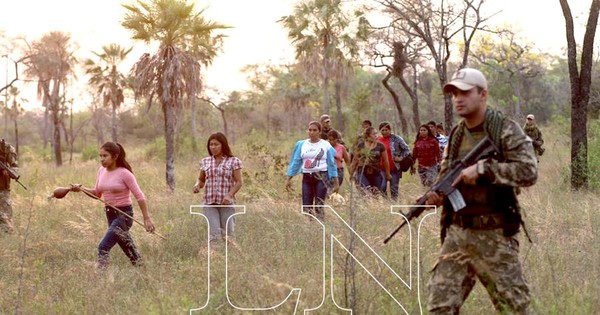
(217, 221)
(118, 233)
(394, 183)
(371, 179)
(314, 191)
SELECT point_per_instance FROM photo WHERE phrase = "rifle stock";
(484, 149)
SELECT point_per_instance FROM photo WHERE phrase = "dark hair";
(367, 132)
(334, 134)
(384, 124)
(316, 123)
(429, 133)
(116, 149)
(368, 122)
(431, 122)
(225, 149)
(440, 126)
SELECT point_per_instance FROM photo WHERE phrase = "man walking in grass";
(478, 241)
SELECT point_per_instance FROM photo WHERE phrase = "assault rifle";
(11, 173)
(484, 149)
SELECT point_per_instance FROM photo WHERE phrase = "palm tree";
(14, 112)
(186, 39)
(326, 40)
(50, 60)
(108, 80)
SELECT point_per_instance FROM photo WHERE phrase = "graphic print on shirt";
(315, 162)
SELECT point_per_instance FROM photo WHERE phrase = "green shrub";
(155, 150)
(90, 152)
(594, 154)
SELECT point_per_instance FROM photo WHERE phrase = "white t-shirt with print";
(314, 156)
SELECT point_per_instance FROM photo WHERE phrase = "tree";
(326, 41)
(186, 39)
(13, 112)
(513, 62)
(50, 60)
(437, 25)
(109, 82)
(580, 91)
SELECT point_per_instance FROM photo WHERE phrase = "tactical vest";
(483, 198)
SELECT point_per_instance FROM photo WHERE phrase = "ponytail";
(117, 149)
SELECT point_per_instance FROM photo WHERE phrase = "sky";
(256, 36)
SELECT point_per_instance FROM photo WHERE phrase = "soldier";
(478, 242)
(8, 156)
(535, 134)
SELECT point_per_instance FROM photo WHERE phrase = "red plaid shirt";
(219, 177)
(427, 152)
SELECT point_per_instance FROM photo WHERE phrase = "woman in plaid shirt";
(221, 178)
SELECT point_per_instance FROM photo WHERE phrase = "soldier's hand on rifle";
(468, 176)
(434, 199)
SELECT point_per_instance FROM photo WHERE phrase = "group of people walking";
(376, 160)
(482, 231)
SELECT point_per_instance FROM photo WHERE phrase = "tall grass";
(279, 248)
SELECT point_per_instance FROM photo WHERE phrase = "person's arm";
(295, 165)
(346, 158)
(332, 169)
(404, 150)
(200, 182)
(94, 192)
(386, 164)
(147, 220)
(519, 168)
(237, 184)
(91, 191)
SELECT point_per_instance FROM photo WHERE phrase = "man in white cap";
(479, 240)
(532, 130)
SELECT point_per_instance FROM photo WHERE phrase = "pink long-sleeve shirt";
(116, 186)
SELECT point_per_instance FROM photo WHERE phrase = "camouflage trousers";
(487, 255)
(6, 225)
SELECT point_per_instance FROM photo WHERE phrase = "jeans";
(118, 233)
(394, 183)
(217, 221)
(314, 191)
(370, 180)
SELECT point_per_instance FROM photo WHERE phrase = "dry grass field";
(47, 265)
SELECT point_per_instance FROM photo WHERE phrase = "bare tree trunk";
(169, 145)
(411, 90)
(55, 106)
(114, 122)
(326, 96)
(396, 99)
(194, 132)
(338, 106)
(580, 91)
(46, 105)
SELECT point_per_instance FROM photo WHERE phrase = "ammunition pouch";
(488, 221)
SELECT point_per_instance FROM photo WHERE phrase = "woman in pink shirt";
(115, 182)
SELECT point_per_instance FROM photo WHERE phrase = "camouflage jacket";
(8, 155)
(518, 167)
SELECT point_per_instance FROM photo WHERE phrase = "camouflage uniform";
(8, 155)
(478, 241)
(535, 134)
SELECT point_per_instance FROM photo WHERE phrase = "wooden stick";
(89, 193)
